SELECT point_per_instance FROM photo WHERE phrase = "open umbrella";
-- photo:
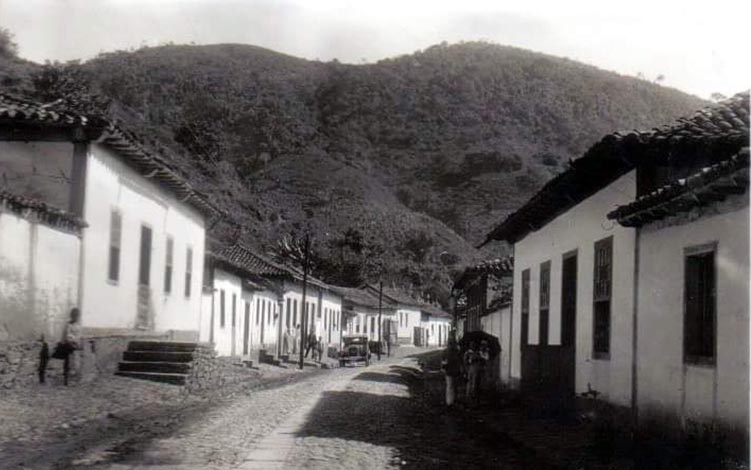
(478, 337)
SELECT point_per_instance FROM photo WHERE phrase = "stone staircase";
(158, 361)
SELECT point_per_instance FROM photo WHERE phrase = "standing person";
(472, 365)
(484, 358)
(319, 348)
(71, 343)
(451, 365)
(285, 342)
(311, 343)
(295, 339)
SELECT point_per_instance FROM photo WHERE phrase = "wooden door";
(568, 299)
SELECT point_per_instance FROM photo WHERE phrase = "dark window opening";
(188, 270)
(602, 297)
(544, 302)
(525, 307)
(699, 299)
(144, 267)
(221, 308)
(168, 265)
(116, 227)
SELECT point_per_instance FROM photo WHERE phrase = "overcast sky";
(699, 49)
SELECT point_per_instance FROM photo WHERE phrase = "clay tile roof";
(398, 296)
(360, 297)
(44, 212)
(126, 144)
(710, 184)
(498, 267)
(434, 311)
(15, 108)
(252, 263)
(725, 123)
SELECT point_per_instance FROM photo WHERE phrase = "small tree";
(8, 47)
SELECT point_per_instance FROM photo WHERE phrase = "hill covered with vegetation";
(415, 157)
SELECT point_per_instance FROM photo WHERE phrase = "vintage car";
(354, 349)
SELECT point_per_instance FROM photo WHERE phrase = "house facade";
(692, 223)
(141, 240)
(437, 325)
(361, 310)
(631, 274)
(251, 302)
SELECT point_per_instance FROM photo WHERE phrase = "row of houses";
(630, 276)
(92, 217)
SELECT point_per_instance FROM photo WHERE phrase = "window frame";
(169, 263)
(115, 249)
(544, 304)
(222, 301)
(525, 305)
(188, 271)
(145, 274)
(693, 251)
(602, 296)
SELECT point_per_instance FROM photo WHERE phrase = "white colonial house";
(631, 274)
(691, 220)
(407, 315)
(361, 309)
(436, 324)
(140, 227)
(252, 303)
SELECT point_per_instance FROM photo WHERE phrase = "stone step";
(163, 346)
(175, 379)
(157, 356)
(168, 367)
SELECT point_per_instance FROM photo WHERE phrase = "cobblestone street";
(343, 418)
(385, 416)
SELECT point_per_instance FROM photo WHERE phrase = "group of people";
(313, 343)
(469, 365)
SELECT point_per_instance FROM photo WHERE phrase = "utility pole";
(380, 322)
(303, 328)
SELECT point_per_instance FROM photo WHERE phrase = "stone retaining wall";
(19, 360)
(210, 373)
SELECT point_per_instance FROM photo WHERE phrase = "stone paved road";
(363, 418)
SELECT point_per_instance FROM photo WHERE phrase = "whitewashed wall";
(665, 385)
(110, 184)
(225, 333)
(411, 319)
(38, 279)
(324, 303)
(578, 229)
(438, 331)
(498, 324)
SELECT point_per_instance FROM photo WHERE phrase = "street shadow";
(420, 433)
(376, 377)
